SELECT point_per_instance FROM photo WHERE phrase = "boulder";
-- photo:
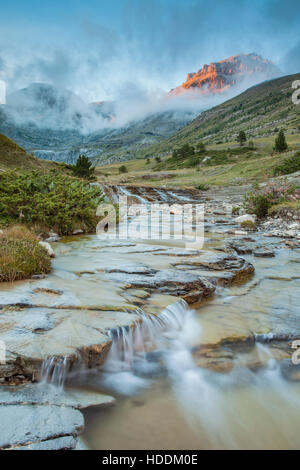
(245, 218)
(48, 248)
(78, 232)
(30, 424)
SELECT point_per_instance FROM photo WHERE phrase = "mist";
(134, 53)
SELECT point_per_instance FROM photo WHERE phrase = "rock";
(290, 371)
(48, 248)
(78, 232)
(52, 237)
(30, 424)
(240, 232)
(38, 276)
(132, 270)
(192, 288)
(264, 254)
(45, 394)
(61, 443)
(245, 218)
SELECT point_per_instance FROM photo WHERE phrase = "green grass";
(14, 157)
(290, 205)
(257, 165)
(21, 256)
(260, 112)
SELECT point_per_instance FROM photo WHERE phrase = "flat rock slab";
(32, 335)
(187, 285)
(264, 254)
(44, 394)
(29, 424)
(61, 443)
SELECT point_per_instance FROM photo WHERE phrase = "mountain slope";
(12, 156)
(259, 111)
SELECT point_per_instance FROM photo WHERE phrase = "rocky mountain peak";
(218, 77)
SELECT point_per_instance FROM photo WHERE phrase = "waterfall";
(55, 371)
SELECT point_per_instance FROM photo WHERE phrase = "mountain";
(56, 124)
(12, 156)
(47, 107)
(218, 77)
(259, 111)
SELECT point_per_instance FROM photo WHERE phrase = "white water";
(55, 371)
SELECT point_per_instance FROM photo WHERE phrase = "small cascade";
(55, 371)
(152, 332)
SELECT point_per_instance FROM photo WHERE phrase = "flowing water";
(169, 396)
(165, 401)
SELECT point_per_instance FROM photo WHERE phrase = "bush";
(241, 138)
(280, 142)
(193, 161)
(21, 256)
(235, 210)
(248, 225)
(84, 168)
(259, 200)
(123, 169)
(289, 165)
(50, 201)
(203, 187)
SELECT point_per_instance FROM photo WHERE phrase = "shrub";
(259, 200)
(21, 256)
(248, 225)
(201, 147)
(289, 165)
(193, 161)
(235, 210)
(84, 168)
(280, 142)
(203, 187)
(50, 201)
(241, 138)
(123, 169)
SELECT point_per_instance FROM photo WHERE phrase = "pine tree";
(123, 169)
(241, 138)
(84, 168)
(280, 142)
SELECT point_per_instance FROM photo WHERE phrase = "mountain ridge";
(218, 77)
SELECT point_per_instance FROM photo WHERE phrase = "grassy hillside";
(12, 156)
(260, 112)
(239, 170)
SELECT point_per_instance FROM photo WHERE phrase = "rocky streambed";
(60, 330)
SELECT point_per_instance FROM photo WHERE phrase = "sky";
(101, 50)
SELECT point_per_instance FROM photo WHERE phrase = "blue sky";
(99, 49)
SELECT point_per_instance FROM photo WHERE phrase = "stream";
(195, 347)
(166, 400)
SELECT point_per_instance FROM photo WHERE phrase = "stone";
(245, 218)
(191, 287)
(264, 254)
(48, 248)
(290, 371)
(45, 394)
(240, 232)
(78, 232)
(29, 424)
(61, 443)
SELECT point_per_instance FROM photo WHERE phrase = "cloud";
(291, 61)
(151, 47)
